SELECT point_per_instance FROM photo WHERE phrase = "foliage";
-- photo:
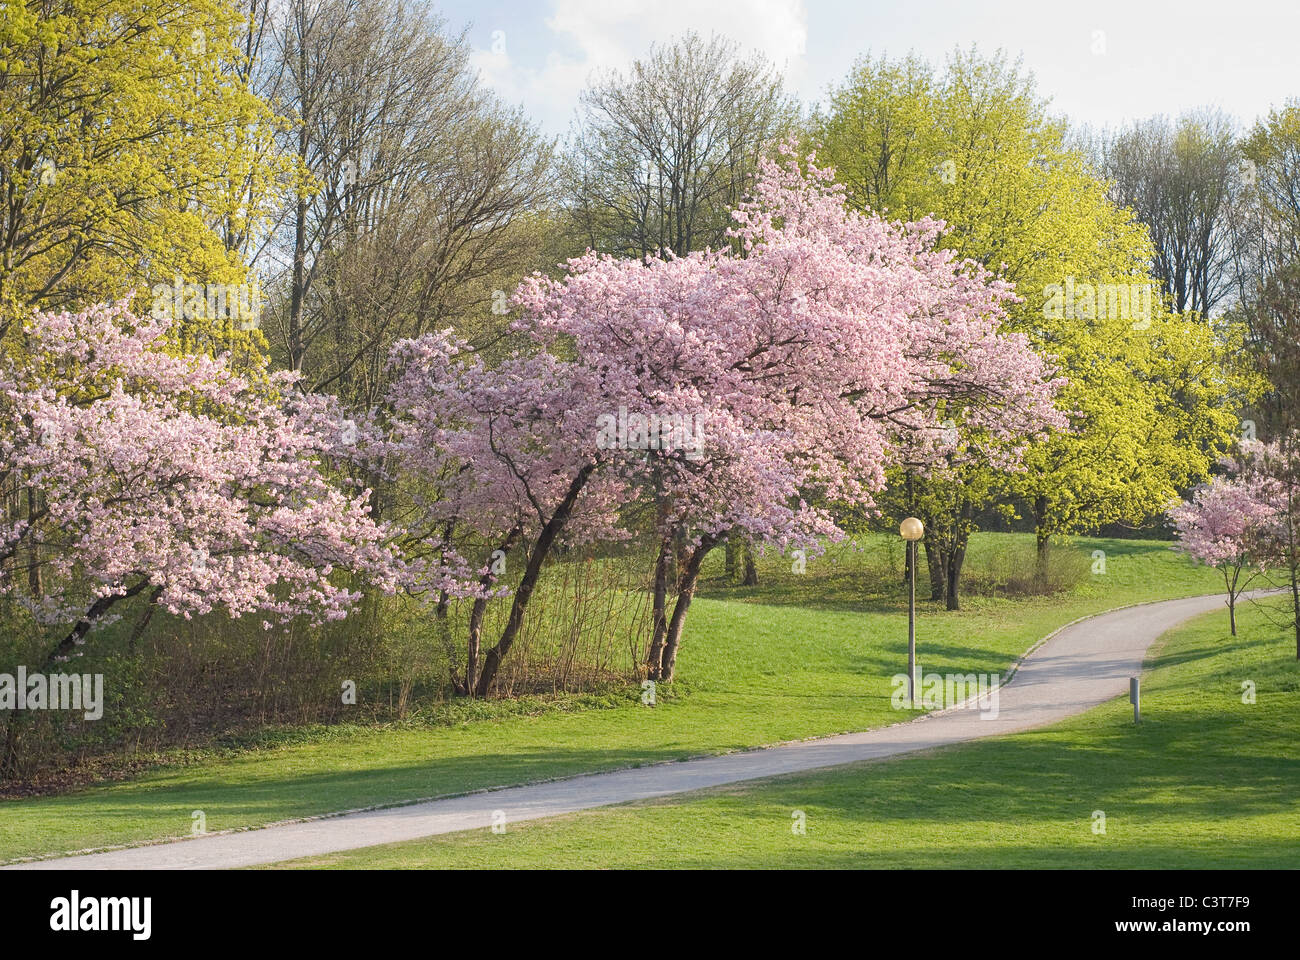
(791, 369)
(1149, 397)
(170, 474)
(127, 142)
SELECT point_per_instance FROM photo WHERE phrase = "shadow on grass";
(1166, 769)
(1170, 798)
(164, 810)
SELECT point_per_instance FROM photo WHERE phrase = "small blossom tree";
(1273, 470)
(171, 477)
(1221, 527)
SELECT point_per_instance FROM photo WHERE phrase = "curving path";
(1078, 667)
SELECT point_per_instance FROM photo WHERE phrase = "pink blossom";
(176, 474)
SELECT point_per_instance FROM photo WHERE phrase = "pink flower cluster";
(1221, 523)
(176, 474)
(827, 349)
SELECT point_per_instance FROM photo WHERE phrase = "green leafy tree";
(131, 152)
(976, 147)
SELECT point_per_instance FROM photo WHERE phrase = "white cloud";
(591, 36)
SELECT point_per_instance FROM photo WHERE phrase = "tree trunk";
(473, 642)
(297, 288)
(957, 552)
(938, 568)
(1043, 538)
(143, 624)
(9, 759)
(1231, 576)
(729, 568)
(1295, 607)
(297, 292)
(443, 629)
(1293, 562)
(955, 559)
(659, 631)
(686, 592)
(82, 627)
(34, 571)
(541, 550)
(474, 638)
(681, 553)
(751, 571)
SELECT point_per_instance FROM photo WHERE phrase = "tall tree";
(125, 125)
(1266, 233)
(421, 194)
(1181, 178)
(975, 146)
(661, 154)
(1268, 224)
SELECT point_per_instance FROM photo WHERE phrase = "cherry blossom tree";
(172, 477)
(801, 365)
(1272, 469)
(811, 362)
(1221, 526)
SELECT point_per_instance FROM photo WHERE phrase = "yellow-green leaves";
(1150, 398)
(130, 150)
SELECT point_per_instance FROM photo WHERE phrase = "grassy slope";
(799, 657)
(1206, 781)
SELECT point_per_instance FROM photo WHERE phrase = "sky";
(1101, 63)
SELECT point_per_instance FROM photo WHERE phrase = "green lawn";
(800, 656)
(1206, 781)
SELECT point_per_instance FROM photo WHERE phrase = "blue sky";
(1101, 62)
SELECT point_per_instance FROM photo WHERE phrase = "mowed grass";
(799, 656)
(1206, 781)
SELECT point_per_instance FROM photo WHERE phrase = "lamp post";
(911, 530)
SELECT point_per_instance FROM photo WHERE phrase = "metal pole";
(911, 623)
(1135, 698)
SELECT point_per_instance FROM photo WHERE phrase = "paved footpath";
(1079, 667)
